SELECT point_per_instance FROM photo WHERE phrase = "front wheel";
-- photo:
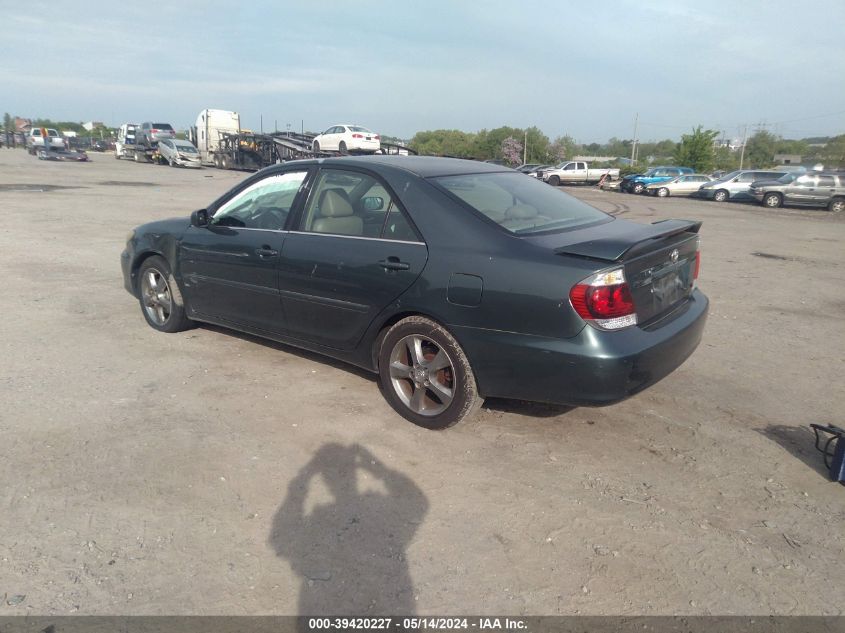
(316, 147)
(160, 298)
(425, 375)
(554, 181)
(772, 200)
(720, 196)
(837, 206)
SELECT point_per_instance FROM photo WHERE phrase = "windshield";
(725, 177)
(187, 148)
(518, 204)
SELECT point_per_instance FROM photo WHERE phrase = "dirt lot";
(213, 473)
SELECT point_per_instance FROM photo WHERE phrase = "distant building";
(90, 125)
(23, 125)
(788, 159)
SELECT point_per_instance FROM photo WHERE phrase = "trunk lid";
(659, 259)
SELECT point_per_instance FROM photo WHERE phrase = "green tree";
(696, 150)
(833, 153)
(760, 149)
(561, 148)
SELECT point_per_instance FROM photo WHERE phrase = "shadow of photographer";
(344, 528)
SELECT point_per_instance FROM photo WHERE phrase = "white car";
(347, 138)
(179, 153)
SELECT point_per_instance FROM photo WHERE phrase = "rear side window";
(826, 181)
(519, 205)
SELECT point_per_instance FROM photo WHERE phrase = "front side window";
(263, 205)
(805, 181)
(354, 204)
(520, 205)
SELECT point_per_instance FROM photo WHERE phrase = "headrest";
(520, 212)
(334, 204)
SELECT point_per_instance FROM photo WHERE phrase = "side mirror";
(199, 218)
(373, 203)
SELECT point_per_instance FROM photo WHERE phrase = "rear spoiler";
(613, 247)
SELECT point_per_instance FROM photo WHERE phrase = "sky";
(586, 69)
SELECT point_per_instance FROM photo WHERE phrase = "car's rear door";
(229, 268)
(352, 253)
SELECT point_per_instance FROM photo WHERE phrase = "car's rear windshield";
(519, 204)
(162, 126)
(358, 128)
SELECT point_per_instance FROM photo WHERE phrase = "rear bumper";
(594, 368)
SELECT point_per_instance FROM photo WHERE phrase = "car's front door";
(229, 268)
(353, 252)
(801, 190)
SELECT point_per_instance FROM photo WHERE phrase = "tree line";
(698, 149)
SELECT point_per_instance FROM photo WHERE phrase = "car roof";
(423, 166)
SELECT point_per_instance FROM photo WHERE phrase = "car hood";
(172, 226)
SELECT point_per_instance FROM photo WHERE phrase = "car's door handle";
(266, 251)
(393, 263)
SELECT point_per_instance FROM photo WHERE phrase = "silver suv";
(149, 134)
(736, 185)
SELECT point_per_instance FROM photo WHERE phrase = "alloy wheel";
(156, 296)
(422, 375)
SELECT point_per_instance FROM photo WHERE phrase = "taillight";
(605, 300)
(697, 265)
(154, 130)
(357, 136)
(377, 137)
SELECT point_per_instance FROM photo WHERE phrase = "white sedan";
(347, 138)
(178, 152)
(685, 185)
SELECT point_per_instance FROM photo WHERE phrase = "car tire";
(772, 200)
(316, 147)
(225, 162)
(837, 205)
(160, 297)
(637, 187)
(554, 181)
(408, 353)
(342, 148)
(663, 192)
(721, 195)
(170, 162)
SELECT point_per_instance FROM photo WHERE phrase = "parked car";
(686, 185)
(577, 172)
(347, 138)
(812, 189)
(35, 142)
(538, 171)
(179, 153)
(148, 134)
(527, 167)
(736, 184)
(636, 183)
(481, 282)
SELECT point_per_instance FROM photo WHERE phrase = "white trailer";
(207, 135)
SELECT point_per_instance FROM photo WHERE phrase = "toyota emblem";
(674, 255)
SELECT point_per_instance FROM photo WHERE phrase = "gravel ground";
(214, 473)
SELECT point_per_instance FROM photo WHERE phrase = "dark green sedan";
(453, 280)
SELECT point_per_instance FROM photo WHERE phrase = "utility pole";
(634, 143)
(261, 124)
(525, 149)
(744, 140)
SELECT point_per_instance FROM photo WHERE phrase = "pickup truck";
(571, 172)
